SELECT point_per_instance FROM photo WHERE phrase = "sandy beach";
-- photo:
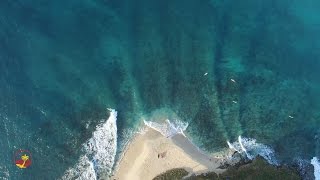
(151, 154)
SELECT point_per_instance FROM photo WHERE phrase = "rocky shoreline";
(255, 169)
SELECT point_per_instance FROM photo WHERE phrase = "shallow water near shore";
(225, 68)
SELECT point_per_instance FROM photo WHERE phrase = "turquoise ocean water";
(227, 68)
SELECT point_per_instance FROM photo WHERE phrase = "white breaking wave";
(252, 149)
(316, 164)
(168, 128)
(102, 146)
(100, 152)
(83, 170)
(242, 147)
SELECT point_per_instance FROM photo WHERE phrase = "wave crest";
(316, 164)
(168, 128)
(100, 152)
(252, 149)
(82, 170)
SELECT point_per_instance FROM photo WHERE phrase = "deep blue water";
(63, 63)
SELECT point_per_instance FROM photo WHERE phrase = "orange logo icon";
(22, 159)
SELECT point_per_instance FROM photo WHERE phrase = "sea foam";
(251, 149)
(316, 164)
(82, 170)
(4, 173)
(100, 151)
(168, 128)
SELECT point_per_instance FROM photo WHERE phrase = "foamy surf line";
(248, 146)
(160, 148)
(100, 151)
(316, 164)
(168, 128)
(252, 149)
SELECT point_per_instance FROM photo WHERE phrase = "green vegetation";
(173, 174)
(260, 169)
(257, 169)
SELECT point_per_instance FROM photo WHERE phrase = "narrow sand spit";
(151, 154)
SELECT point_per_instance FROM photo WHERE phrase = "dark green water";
(63, 63)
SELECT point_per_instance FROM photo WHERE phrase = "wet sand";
(151, 154)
